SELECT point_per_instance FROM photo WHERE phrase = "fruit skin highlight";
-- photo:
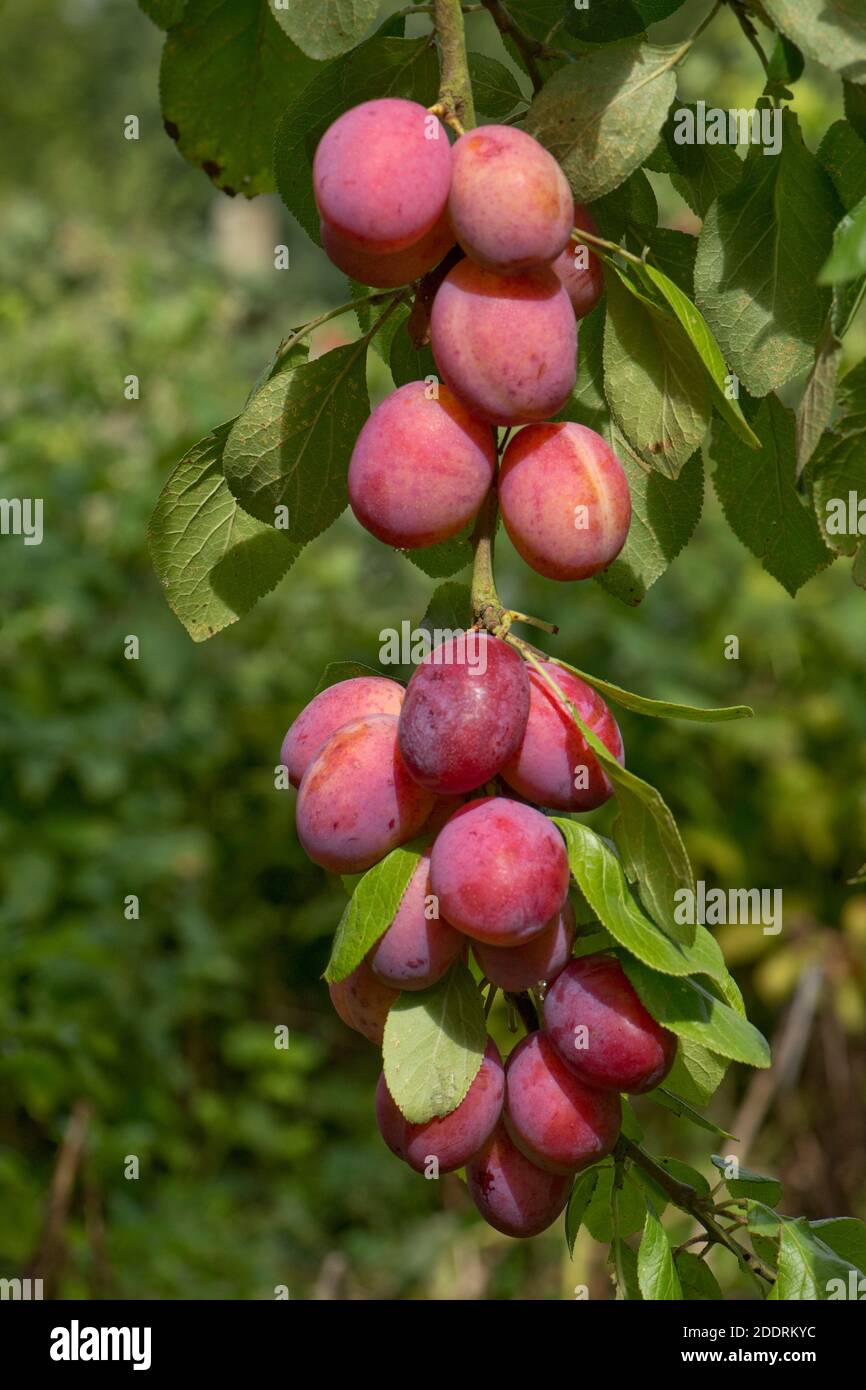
(602, 1031)
(452, 1139)
(464, 713)
(499, 870)
(357, 801)
(379, 181)
(510, 203)
(565, 500)
(421, 467)
(506, 345)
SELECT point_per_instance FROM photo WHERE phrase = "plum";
(602, 1031)
(356, 800)
(565, 500)
(464, 713)
(421, 467)
(329, 710)
(451, 1139)
(363, 1002)
(537, 961)
(505, 344)
(510, 203)
(554, 1119)
(387, 269)
(382, 174)
(416, 950)
(554, 766)
(499, 870)
(579, 270)
(514, 1195)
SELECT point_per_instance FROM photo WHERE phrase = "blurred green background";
(153, 1037)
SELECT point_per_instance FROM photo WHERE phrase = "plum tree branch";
(455, 87)
(486, 605)
(376, 297)
(688, 1199)
(530, 49)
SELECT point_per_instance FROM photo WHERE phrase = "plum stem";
(376, 297)
(687, 1198)
(526, 1009)
(455, 88)
(486, 606)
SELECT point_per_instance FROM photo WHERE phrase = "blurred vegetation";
(153, 777)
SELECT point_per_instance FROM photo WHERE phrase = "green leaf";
(678, 1106)
(759, 496)
(214, 561)
(370, 910)
(586, 405)
(601, 114)
(494, 87)
(846, 1236)
(837, 471)
(842, 156)
(656, 1273)
(707, 349)
(227, 73)
(833, 32)
(449, 609)
(645, 832)
(697, 1280)
(381, 67)
(632, 204)
(664, 515)
(809, 1269)
(602, 881)
(434, 1043)
(292, 444)
(337, 671)
(446, 558)
(581, 1196)
(407, 362)
(325, 28)
(699, 173)
(682, 1172)
(659, 709)
(656, 387)
(605, 20)
(674, 253)
(816, 403)
(855, 106)
(759, 252)
(749, 1184)
(695, 1075)
(164, 13)
(622, 1263)
(786, 62)
(691, 1011)
(598, 1215)
(847, 260)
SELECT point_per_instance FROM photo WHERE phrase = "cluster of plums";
(394, 197)
(377, 765)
